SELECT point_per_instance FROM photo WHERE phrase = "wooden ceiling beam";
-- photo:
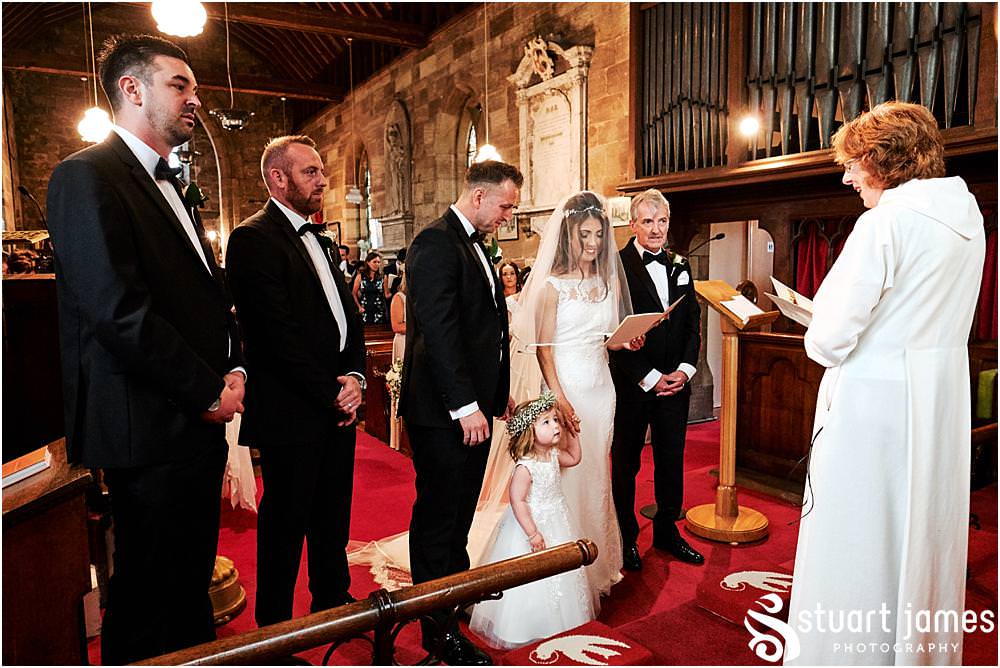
(30, 61)
(293, 16)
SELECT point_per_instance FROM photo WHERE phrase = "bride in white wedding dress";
(575, 296)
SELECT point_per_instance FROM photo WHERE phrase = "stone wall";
(438, 83)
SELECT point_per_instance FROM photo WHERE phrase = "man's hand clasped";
(670, 384)
(349, 399)
(230, 400)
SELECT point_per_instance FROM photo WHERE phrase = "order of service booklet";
(638, 324)
(797, 307)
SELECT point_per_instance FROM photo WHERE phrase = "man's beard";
(300, 201)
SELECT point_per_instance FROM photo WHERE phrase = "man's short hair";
(492, 173)
(651, 196)
(133, 55)
(344, 248)
(275, 153)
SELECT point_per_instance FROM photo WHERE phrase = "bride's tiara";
(593, 208)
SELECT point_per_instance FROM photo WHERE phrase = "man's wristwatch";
(361, 380)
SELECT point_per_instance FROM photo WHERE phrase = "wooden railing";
(383, 612)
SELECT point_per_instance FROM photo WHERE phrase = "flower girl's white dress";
(546, 607)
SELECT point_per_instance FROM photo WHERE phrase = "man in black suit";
(652, 383)
(305, 346)
(150, 352)
(456, 378)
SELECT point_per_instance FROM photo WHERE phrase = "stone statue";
(396, 169)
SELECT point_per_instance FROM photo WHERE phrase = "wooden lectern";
(726, 520)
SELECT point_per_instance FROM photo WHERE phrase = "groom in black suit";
(305, 345)
(653, 383)
(456, 378)
(150, 353)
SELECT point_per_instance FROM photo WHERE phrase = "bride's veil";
(558, 255)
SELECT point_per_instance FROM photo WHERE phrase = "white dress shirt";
(469, 409)
(322, 265)
(658, 272)
(148, 158)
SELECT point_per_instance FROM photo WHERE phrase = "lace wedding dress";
(583, 318)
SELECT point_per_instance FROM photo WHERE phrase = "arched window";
(471, 145)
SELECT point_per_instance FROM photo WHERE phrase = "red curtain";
(810, 261)
(985, 327)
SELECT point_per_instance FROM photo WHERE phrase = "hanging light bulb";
(182, 18)
(96, 123)
(354, 195)
(95, 126)
(749, 126)
(487, 152)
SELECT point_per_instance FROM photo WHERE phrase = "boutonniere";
(676, 261)
(494, 252)
(326, 241)
(194, 197)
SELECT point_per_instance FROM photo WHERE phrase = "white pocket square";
(684, 278)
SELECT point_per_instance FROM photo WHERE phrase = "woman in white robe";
(886, 515)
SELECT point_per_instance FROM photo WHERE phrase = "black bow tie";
(477, 237)
(164, 172)
(660, 257)
(315, 228)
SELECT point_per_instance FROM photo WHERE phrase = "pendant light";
(487, 151)
(353, 192)
(96, 123)
(181, 18)
(231, 118)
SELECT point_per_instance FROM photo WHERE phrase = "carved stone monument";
(553, 122)
(397, 215)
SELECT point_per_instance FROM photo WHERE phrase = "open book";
(791, 303)
(638, 324)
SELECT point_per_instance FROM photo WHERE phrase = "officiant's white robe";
(887, 504)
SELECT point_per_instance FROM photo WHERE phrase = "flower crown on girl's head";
(526, 417)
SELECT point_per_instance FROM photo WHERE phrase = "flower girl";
(536, 518)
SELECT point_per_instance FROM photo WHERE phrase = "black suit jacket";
(457, 348)
(291, 336)
(146, 331)
(669, 343)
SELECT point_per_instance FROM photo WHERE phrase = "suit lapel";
(633, 264)
(278, 218)
(466, 243)
(148, 186)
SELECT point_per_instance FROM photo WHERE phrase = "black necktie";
(659, 257)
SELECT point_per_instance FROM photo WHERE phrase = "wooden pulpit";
(726, 520)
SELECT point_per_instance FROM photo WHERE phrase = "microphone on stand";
(27, 193)
(720, 235)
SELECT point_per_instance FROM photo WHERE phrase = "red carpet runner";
(656, 607)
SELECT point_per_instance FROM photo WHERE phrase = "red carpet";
(656, 607)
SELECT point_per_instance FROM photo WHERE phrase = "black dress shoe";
(631, 561)
(677, 546)
(460, 651)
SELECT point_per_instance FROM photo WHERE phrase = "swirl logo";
(784, 642)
